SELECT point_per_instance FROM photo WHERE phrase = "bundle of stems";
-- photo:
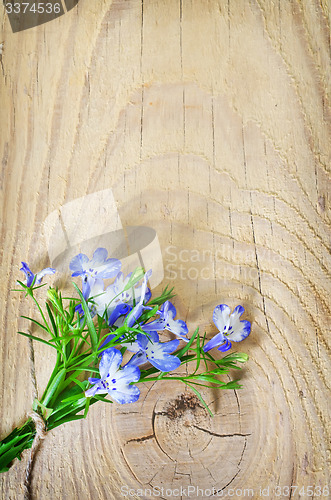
(79, 340)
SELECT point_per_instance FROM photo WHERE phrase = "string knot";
(39, 423)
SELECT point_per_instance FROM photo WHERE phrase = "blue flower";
(115, 300)
(131, 295)
(230, 328)
(95, 270)
(152, 350)
(120, 310)
(119, 313)
(167, 321)
(134, 315)
(39, 276)
(115, 380)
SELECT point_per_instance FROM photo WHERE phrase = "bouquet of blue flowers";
(108, 340)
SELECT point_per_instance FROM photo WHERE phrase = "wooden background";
(209, 121)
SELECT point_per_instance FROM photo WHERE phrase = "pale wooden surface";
(209, 120)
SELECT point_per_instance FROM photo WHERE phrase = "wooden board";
(209, 121)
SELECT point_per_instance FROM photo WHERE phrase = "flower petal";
(221, 317)
(165, 364)
(110, 361)
(44, 272)
(77, 264)
(28, 273)
(170, 346)
(125, 394)
(214, 342)
(142, 341)
(154, 326)
(171, 310)
(138, 309)
(240, 331)
(119, 310)
(137, 359)
(238, 311)
(226, 346)
(154, 337)
(129, 373)
(93, 380)
(177, 326)
(103, 267)
(109, 269)
(120, 388)
(99, 257)
(148, 295)
(95, 389)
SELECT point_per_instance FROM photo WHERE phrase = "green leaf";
(240, 357)
(232, 385)
(82, 361)
(60, 403)
(66, 409)
(40, 340)
(166, 295)
(220, 371)
(188, 345)
(136, 276)
(102, 398)
(4, 447)
(65, 420)
(198, 353)
(35, 322)
(79, 383)
(200, 398)
(87, 405)
(58, 379)
(89, 321)
(12, 446)
(207, 378)
(148, 314)
(73, 398)
(51, 317)
(203, 352)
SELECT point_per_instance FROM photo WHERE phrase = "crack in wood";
(140, 439)
(259, 274)
(222, 435)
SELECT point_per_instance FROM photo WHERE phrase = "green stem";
(54, 372)
(151, 379)
(19, 439)
(42, 315)
(54, 388)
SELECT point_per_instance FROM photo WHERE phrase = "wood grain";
(210, 122)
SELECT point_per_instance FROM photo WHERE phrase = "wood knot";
(183, 404)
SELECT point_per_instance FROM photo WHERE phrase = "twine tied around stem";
(40, 434)
(39, 425)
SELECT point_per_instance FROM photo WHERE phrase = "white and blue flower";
(156, 352)
(114, 380)
(231, 329)
(94, 271)
(115, 302)
(131, 295)
(35, 278)
(167, 321)
(136, 312)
